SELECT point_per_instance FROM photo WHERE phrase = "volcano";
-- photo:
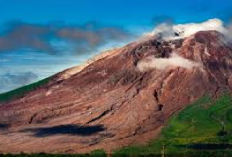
(123, 96)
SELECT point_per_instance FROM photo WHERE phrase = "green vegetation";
(202, 129)
(96, 153)
(17, 93)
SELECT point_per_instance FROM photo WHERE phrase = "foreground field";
(97, 153)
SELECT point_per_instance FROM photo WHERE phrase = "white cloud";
(170, 32)
(165, 63)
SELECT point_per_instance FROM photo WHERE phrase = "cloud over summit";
(168, 31)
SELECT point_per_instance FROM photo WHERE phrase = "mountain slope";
(121, 98)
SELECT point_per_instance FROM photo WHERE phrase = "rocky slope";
(122, 97)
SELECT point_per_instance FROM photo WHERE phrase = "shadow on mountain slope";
(69, 129)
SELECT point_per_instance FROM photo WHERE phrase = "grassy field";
(202, 129)
(17, 93)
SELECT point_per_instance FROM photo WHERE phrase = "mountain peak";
(122, 97)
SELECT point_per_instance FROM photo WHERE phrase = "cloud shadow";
(69, 129)
(4, 126)
(207, 146)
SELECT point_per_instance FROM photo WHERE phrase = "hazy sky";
(36, 38)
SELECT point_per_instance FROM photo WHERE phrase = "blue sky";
(125, 16)
(114, 11)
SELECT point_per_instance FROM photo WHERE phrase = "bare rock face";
(111, 102)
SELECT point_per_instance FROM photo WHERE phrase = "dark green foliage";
(17, 93)
(96, 153)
